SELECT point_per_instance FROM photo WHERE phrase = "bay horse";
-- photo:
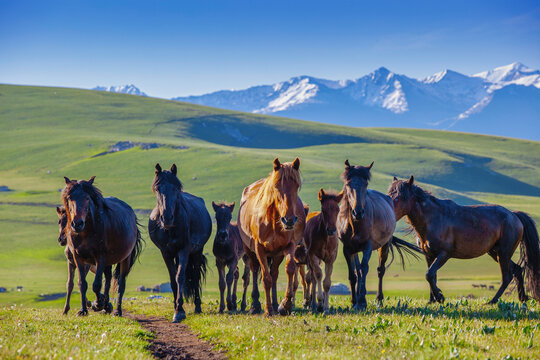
(62, 241)
(228, 250)
(180, 226)
(100, 232)
(271, 221)
(447, 230)
(321, 241)
(366, 222)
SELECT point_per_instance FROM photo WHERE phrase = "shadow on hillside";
(472, 174)
(240, 131)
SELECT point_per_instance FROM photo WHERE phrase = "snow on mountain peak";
(292, 93)
(516, 73)
(123, 89)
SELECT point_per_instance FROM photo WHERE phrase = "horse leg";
(286, 304)
(83, 285)
(124, 270)
(430, 259)
(69, 285)
(171, 268)
(255, 267)
(232, 275)
(518, 275)
(245, 283)
(506, 272)
(108, 277)
(96, 286)
(328, 268)
(235, 284)
(267, 278)
(274, 272)
(381, 269)
(431, 275)
(305, 285)
(296, 282)
(316, 283)
(361, 282)
(183, 258)
(349, 258)
(221, 272)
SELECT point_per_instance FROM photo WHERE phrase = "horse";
(271, 222)
(321, 241)
(62, 241)
(180, 226)
(228, 250)
(447, 230)
(366, 222)
(100, 232)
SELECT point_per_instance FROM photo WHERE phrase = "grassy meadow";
(48, 133)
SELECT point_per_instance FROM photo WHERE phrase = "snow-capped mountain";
(445, 100)
(123, 89)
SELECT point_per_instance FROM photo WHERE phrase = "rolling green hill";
(46, 133)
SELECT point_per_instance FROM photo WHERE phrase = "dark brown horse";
(366, 222)
(62, 240)
(271, 221)
(321, 241)
(100, 232)
(180, 226)
(447, 230)
(228, 250)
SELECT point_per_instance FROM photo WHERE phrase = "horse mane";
(167, 176)
(94, 193)
(266, 194)
(331, 194)
(356, 171)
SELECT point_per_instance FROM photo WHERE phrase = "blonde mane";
(267, 192)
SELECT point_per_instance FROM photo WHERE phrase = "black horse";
(180, 226)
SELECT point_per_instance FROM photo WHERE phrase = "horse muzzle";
(62, 240)
(358, 214)
(77, 225)
(288, 223)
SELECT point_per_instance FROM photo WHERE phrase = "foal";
(322, 245)
(228, 249)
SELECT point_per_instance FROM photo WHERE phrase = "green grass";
(46, 334)
(46, 133)
(403, 328)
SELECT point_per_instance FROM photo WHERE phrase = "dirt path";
(175, 341)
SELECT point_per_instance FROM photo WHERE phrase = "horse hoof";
(97, 306)
(198, 310)
(88, 303)
(108, 308)
(305, 304)
(360, 307)
(179, 316)
(255, 309)
(118, 312)
(82, 312)
(283, 311)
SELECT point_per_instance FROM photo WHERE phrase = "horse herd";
(273, 225)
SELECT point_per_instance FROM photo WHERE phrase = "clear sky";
(174, 48)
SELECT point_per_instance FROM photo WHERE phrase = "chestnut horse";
(447, 230)
(271, 221)
(321, 241)
(101, 232)
(180, 226)
(228, 250)
(366, 223)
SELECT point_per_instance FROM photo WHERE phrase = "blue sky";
(174, 48)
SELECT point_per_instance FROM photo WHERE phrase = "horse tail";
(530, 253)
(404, 249)
(195, 275)
(133, 257)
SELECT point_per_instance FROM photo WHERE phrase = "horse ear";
(395, 178)
(296, 164)
(174, 169)
(347, 164)
(340, 196)
(67, 180)
(411, 181)
(59, 211)
(158, 168)
(91, 181)
(321, 194)
(215, 206)
(371, 165)
(277, 164)
(231, 206)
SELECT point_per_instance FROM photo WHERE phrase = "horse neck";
(421, 214)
